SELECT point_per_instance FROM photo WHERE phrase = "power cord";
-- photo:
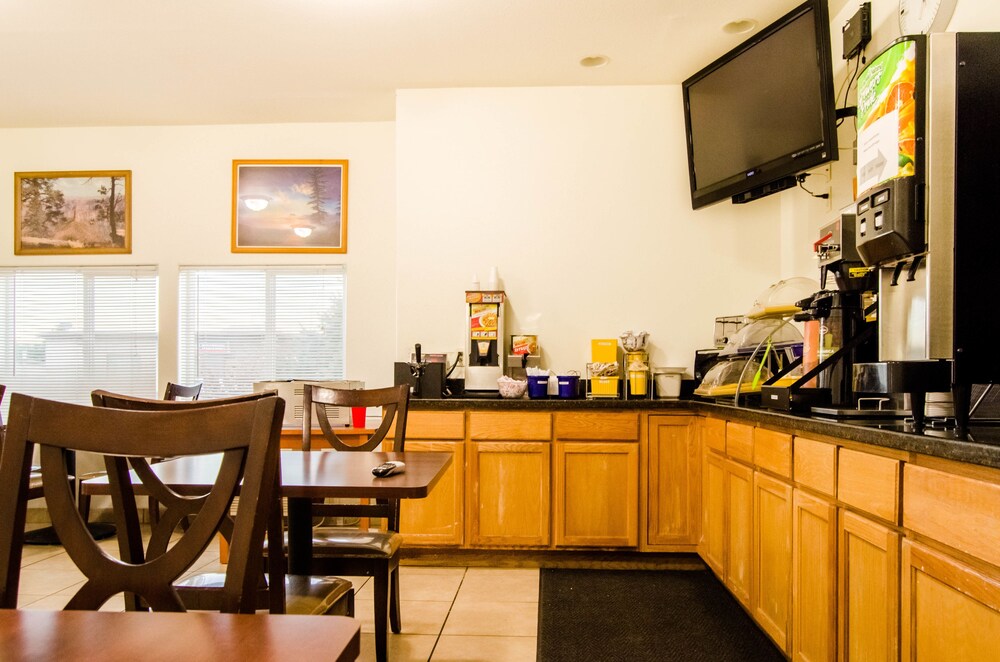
(801, 178)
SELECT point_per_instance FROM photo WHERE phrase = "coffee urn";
(928, 135)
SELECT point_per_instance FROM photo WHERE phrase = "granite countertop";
(981, 446)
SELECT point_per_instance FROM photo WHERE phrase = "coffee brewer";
(928, 135)
(837, 332)
(484, 336)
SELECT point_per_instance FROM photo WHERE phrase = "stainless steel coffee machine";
(928, 135)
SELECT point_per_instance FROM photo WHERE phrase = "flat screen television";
(763, 112)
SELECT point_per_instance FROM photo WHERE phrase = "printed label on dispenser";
(483, 321)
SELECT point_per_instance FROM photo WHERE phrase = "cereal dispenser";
(484, 335)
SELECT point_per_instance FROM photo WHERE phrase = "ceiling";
(147, 62)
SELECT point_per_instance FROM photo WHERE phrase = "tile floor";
(449, 614)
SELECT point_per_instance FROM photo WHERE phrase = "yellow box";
(604, 350)
(604, 386)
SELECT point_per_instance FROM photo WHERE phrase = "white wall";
(181, 211)
(580, 197)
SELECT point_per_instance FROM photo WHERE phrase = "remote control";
(389, 468)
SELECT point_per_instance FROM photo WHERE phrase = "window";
(66, 332)
(239, 326)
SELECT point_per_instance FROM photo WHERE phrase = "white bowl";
(512, 388)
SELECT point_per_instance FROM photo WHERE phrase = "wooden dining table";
(306, 476)
(29, 636)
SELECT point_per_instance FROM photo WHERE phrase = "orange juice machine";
(484, 336)
(928, 138)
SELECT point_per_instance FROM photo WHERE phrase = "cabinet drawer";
(816, 465)
(435, 425)
(869, 483)
(618, 426)
(960, 512)
(739, 441)
(513, 426)
(713, 433)
(773, 451)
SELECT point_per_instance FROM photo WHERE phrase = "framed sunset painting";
(289, 206)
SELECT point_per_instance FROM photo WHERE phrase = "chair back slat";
(246, 433)
(393, 400)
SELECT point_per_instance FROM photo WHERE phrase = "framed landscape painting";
(289, 206)
(72, 212)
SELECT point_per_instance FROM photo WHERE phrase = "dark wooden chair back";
(178, 507)
(247, 435)
(181, 392)
(393, 401)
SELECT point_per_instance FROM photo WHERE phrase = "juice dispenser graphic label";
(887, 116)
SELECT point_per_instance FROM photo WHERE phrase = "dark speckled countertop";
(982, 445)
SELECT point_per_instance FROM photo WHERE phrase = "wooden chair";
(173, 392)
(301, 595)
(247, 434)
(181, 392)
(361, 552)
(35, 477)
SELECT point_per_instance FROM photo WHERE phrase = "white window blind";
(243, 325)
(67, 331)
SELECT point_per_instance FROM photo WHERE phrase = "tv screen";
(763, 112)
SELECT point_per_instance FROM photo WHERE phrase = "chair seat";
(332, 541)
(307, 595)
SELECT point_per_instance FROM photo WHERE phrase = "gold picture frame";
(75, 212)
(289, 206)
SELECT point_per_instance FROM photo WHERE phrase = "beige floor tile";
(500, 585)
(406, 570)
(485, 649)
(34, 553)
(418, 617)
(49, 603)
(504, 619)
(46, 581)
(402, 647)
(431, 587)
(25, 599)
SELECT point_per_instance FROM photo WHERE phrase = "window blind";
(67, 331)
(243, 325)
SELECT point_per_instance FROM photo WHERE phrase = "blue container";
(538, 386)
(569, 386)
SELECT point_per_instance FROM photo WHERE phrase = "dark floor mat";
(598, 615)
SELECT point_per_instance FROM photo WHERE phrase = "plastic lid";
(750, 336)
(779, 299)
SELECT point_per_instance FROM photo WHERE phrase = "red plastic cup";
(358, 417)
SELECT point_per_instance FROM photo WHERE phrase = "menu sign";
(483, 321)
(886, 118)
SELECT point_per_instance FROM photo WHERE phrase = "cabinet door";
(713, 542)
(814, 579)
(868, 590)
(509, 493)
(673, 475)
(739, 531)
(949, 610)
(437, 519)
(772, 557)
(597, 494)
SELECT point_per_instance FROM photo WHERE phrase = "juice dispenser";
(928, 136)
(484, 334)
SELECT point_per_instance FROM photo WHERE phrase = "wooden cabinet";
(950, 611)
(772, 557)
(739, 531)
(437, 519)
(673, 483)
(814, 578)
(596, 494)
(509, 499)
(868, 590)
(712, 547)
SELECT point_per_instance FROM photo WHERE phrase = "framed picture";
(289, 206)
(73, 213)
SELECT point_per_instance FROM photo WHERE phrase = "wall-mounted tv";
(763, 112)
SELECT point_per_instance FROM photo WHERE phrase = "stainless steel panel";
(902, 317)
(940, 154)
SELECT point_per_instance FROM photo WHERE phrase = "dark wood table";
(29, 636)
(308, 476)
